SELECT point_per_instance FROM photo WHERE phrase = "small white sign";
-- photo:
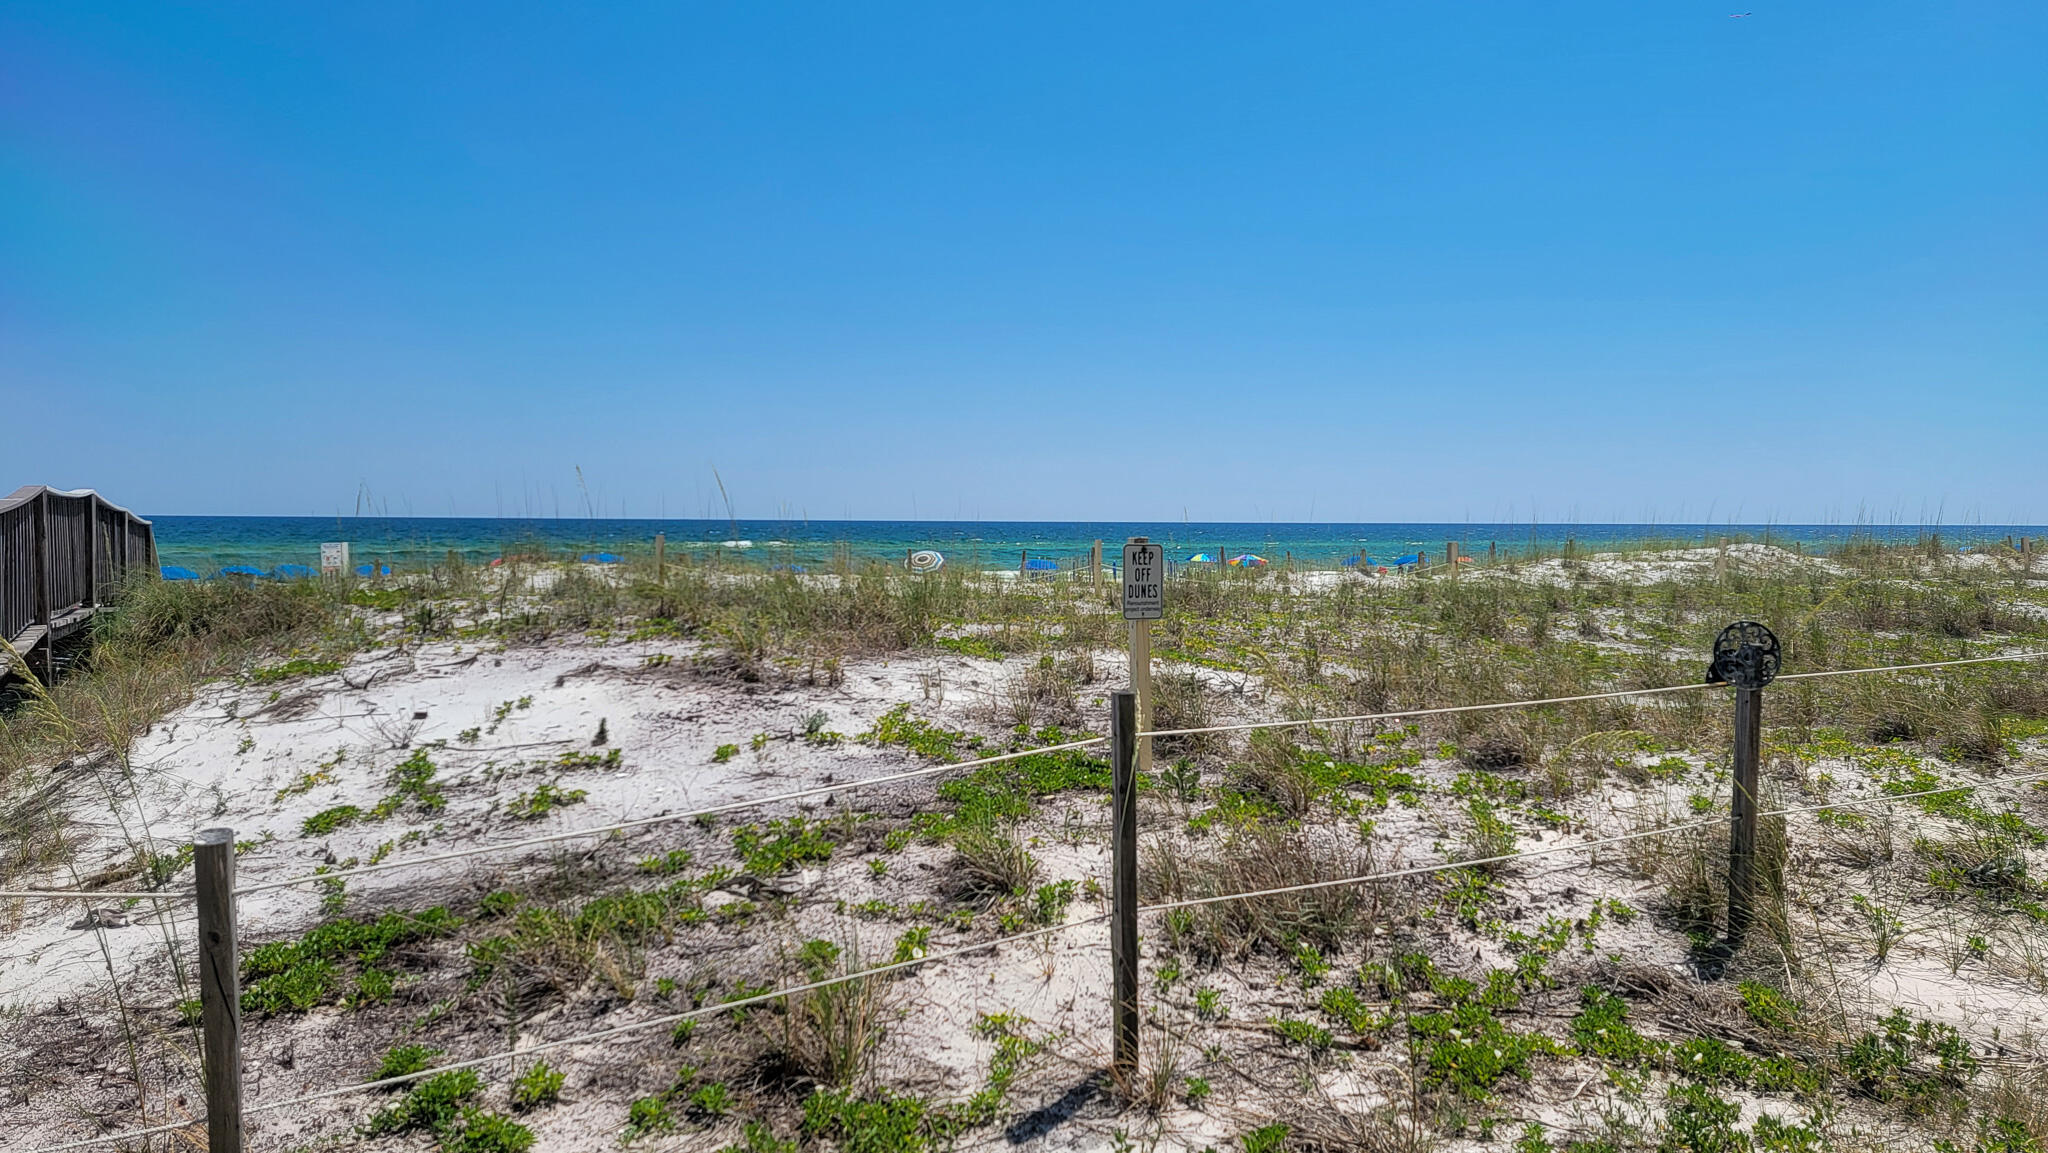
(1144, 582)
(334, 556)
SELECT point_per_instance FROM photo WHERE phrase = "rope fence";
(933, 770)
(216, 891)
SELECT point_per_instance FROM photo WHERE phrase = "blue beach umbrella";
(373, 570)
(1411, 558)
(1040, 564)
(177, 572)
(600, 558)
(1247, 560)
(241, 570)
(1202, 558)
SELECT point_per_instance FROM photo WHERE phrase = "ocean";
(206, 543)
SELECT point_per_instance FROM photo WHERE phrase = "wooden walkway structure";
(60, 554)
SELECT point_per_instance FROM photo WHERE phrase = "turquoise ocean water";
(206, 543)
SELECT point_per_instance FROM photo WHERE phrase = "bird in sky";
(1737, 15)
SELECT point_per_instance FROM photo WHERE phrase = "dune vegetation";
(1892, 995)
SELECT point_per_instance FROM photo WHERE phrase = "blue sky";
(1601, 261)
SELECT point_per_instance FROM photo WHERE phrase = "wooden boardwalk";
(60, 555)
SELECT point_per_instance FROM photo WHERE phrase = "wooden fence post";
(1123, 883)
(1095, 565)
(1749, 709)
(92, 552)
(1746, 658)
(42, 665)
(220, 996)
(661, 558)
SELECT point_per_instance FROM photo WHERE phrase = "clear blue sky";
(1602, 261)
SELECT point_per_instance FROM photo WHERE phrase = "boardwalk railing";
(60, 554)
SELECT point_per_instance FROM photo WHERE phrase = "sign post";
(1123, 886)
(1144, 602)
(334, 557)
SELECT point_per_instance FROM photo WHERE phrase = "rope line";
(98, 894)
(667, 818)
(676, 1018)
(1429, 712)
(1419, 870)
(124, 1135)
(1888, 798)
(1911, 668)
(1448, 709)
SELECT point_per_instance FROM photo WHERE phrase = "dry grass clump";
(1181, 701)
(1273, 770)
(1319, 1124)
(1043, 693)
(1261, 857)
(1688, 868)
(2014, 1109)
(1861, 840)
(826, 1036)
(993, 865)
(1157, 1085)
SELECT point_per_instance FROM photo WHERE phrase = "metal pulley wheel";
(1746, 655)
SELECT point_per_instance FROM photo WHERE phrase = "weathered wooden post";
(1746, 658)
(220, 996)
(1490, 551)
(661, 558)
(1123, 882)
(1095, 565)
(1451, 556)
(42, 665)
(92, 551)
